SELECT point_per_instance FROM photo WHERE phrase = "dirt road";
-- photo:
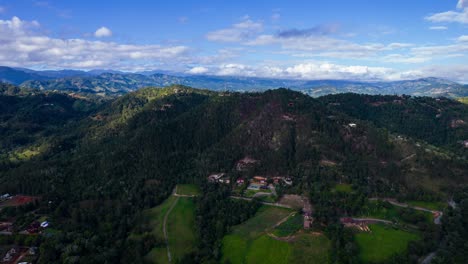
(169, 256)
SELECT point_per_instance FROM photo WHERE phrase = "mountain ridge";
(116, 82)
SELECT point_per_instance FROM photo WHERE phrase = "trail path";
(169, 256)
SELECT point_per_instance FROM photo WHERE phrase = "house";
(260, 179)
(215, 177)
(352, 125)
(44, 224)
(240, 181)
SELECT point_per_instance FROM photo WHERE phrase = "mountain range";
(116, 82)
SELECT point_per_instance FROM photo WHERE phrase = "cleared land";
(383, 242)
(250, 243)
(188, 189)
(345, 188)
(180, 229)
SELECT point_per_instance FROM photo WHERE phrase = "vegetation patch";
(383, 242)
(250, 243)
(188, 189)
(269, 251)
(344, 188)
(181, 228)
(291, 226)
(310, 249)
(387, 211)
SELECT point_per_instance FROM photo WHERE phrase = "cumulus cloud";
(23, 44)
(319, 30)
(438, 28)
(237, 32)
(198, 70)
(103, 32)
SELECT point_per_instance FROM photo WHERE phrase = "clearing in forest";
(253, 242)
(176, 216)
(383, 242)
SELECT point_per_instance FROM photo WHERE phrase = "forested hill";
(99, 163)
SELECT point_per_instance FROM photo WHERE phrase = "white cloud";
(438, 28)
(23, 44)
(103, 32)
(462, 4)
(315, 71)
(399, 58)
(324, 46)
(198, 70)
(452, 16)
(237, 32)
(463, 38)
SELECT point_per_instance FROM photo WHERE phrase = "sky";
(341, 39)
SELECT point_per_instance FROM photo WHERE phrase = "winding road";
(437, 220)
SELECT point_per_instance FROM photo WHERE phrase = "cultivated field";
(254, 241)
(383, 242)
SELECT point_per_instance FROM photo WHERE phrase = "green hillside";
(100, 163)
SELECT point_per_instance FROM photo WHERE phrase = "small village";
(9, 227)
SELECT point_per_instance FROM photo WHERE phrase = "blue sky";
(361, 40)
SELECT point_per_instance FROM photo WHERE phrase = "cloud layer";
(22, 44)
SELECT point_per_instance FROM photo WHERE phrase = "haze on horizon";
(391, 40)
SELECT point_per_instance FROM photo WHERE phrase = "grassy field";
(269, 251)
(345, 188)
(250, 243)
(291, 226)
(156, 218)
(188, 189)
(310, 249)
(180, 228)
(383, 242)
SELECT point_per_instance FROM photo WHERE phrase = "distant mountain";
(14, 76)
(116, 82)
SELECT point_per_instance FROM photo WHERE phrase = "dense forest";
(98, 162)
